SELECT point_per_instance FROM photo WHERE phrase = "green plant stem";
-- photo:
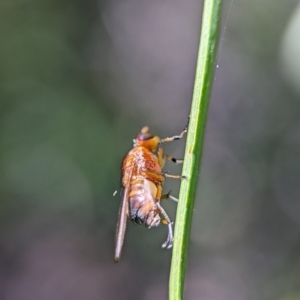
(202, 87)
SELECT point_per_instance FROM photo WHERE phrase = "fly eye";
(145, 136)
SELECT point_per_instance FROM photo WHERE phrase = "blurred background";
(78, 79)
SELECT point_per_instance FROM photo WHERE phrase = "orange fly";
(142, 180)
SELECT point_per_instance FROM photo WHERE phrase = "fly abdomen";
(142, 205)
(136, 200)
(136, 187)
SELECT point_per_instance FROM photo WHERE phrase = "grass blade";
(202, 87)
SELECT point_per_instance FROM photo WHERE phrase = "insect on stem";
(142, 181)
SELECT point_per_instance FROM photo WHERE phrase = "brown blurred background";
(78, 79)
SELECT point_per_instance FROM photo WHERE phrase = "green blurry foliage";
(66, 122)
(56, 150)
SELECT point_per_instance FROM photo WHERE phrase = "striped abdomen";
(142, 202)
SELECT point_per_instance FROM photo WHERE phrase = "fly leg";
(173, 159)
(175, 176)
(152, 175)
(169, 196)
(161, 176)
(169, 241)
(160, 153)
(176, 137)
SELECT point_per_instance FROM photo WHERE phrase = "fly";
(142, 181)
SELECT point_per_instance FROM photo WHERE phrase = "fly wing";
(122, 221)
